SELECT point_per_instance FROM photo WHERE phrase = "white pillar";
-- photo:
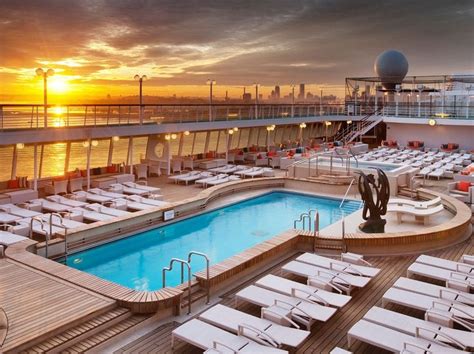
(88, 164)
(35, 168)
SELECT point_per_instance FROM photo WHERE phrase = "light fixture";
(85, 143)
(173, 136)
(167, 137)
(432, 122)
(115, 138)
(303, 125)
(140, 78)
(349, 122)
(20, 146)
(273, 126)
(328, 123)
(95, 143)
(211, 82)
(269, 128)
(42, 72)
(231, 131)
(186, 132)
(236, 129)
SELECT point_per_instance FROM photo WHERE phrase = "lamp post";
(256, 84)
(398, 88)
(292, 101)
(140, 80)
(45, 74)
(211, 83)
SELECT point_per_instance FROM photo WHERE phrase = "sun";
(58, 84)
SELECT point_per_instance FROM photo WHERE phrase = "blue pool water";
(137, 261)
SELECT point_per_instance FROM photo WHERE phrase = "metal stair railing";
(208, 287)
(170, 268)
(353, 128)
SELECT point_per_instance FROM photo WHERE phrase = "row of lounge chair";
(53, 214)
(420, 210)
(221, 175)
(445, 307)
(288, 308)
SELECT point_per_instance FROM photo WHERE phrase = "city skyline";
(179, 46)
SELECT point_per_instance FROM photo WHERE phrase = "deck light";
(187, 132)
(173, 136)
(115, 138)
(20, 146)
(85, 143)
(236, 129)
(231, 131)
(303, 125)
(167, 137)
(95, 142)
(432, 122)
(349, 122)
(328, 123)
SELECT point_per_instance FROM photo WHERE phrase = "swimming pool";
(137, 261)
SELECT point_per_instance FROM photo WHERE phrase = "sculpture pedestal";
(373, 226)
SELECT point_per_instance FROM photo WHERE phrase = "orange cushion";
(463, 186)
(13, 184)
(111, 169)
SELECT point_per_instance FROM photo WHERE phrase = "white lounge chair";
(394, 341)
(206, 336)
(104, 193)
(17, 211)
(455, 280)
(61, 222)
(445, 264)
(193, 177)
(66, 201)
(343, 281)
(415, 204)
(303, 291)
(203, 182)
(92, 216)
(43, 229)
(215, 182)
(187, 174)
(106, 210)
(411, 325)
(334, 264)
(467, 258)
(229, 319)
(257, 171)
(300, 310)
(149, 189)
(48, 206)
(425, 303)
(148, 201)
(419, 214)
(90, 197)
(435, 291)
(6, 218)
(120, 188)
(437, 173)
(8, 238)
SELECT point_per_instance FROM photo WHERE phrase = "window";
(199, 143)
(139, 148)
(244, 138)
(100, 153)
(187, 148)
(78, 156)
(213, 140)
(54, 159)
(221, 146)
(119, 153)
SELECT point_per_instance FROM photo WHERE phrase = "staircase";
(90, 333)
(359, 128)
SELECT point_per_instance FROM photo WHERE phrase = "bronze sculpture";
(367, 186)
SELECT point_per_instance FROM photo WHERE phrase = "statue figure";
(367, 186)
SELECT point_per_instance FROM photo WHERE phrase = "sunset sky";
(97, 46)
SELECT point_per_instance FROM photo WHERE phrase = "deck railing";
(36, 116)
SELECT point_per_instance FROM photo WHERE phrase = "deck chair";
(432, 290)
(341, 280)
(455, 280)
(303, 291)
(445, 264)
(90, 197)
(419, 214)
(149, 189)
(215, 182)
(141, 171)
(437, 173)
(457, 311)
(205, 336)
(65, 201)
(92, 216)
(394, 341)
(299, 310)
(53, 207)
(411, 325)
(230, 319)
(64, 222)
(148, 201)
(106, 210)
(333, 264)
(120, 188)
(467, 258)
(17, 211)
(104, 193)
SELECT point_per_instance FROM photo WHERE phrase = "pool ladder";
(187, 264)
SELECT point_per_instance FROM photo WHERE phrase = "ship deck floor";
(324, 336)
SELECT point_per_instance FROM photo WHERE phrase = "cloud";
(235, 41)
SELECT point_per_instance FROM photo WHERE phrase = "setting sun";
(58, 84)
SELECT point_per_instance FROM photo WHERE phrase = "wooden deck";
(324, 336)
(38, 305)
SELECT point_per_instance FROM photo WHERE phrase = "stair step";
(58, 341)
(196, 296)
(105, 335)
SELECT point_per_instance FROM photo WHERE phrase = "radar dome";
(391, 67)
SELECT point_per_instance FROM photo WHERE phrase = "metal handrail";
(347, 192)
(48, 235)
(302, 218)
(61, 224)
(196, 253)
(170, 267)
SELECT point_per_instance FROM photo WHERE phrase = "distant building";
(301, 94)
(277, 92)
(309, 96)
(247, 97)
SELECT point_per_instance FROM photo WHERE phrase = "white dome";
(391, 67)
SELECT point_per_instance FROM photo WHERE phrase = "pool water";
(137, 261)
